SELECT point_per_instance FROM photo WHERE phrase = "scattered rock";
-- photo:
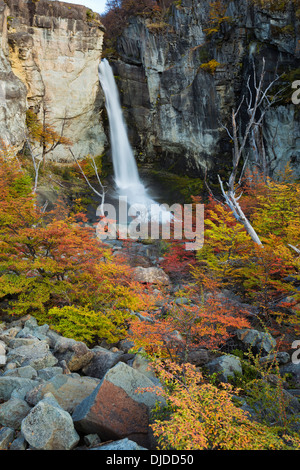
(36, 355)
(116, 409)
(122, 444)
(32, 331)
(53, 338)
(49, 372)
(92, 440)
(75, 353)
(103, 360)
(258, 341)
(18, 444)
(26, 372)
(68, 390)
(12, 412)
(54, 388)
(17, 386)
(292, 369)
(199, 357)
(225, 366)
(182, 301)
(2, 353)
(49, 427)
(17, 342)
(6, 437)
(151, 275)
(279, 357)
(7, 335)
(125, 345)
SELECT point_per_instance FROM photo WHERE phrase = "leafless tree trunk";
(36, 164)
(100, 194)
(258, 103)
(51, 139)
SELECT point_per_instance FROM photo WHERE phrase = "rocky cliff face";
(54, 49)
(175, 104)
(12, 91)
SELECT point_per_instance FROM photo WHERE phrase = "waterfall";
(126, 173)
(125, 168)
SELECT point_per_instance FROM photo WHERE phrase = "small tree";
(43, 138)
(182, 328)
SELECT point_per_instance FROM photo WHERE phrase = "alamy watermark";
(296, 94)
(152, 221)
(296, 354)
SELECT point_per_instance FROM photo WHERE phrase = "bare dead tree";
(36, 161)
(102, 188)
(294, 248)
(41, 137)
(258, 103)
(50, 139)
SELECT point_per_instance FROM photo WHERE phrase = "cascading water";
(125, 168)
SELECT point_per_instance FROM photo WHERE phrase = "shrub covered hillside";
(54, 268)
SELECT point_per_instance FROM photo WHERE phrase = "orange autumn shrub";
(200, 416)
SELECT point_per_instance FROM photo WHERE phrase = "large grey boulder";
(6, 437)
(49, 372)
(68, 389)
(49, 427)
(16, 386)
(225, 366)
(12, 412)
(118, 407)
(36, 355)
(75, 353)
(21, 341)
(102, 361)
(151, 275)
(260, 342)
(26, 372)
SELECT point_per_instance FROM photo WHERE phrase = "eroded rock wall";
(55, 49)
(175, 108)
(12, 92)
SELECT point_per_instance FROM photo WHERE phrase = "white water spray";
(125, 168)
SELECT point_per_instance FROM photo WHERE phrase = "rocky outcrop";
(175, 103)
(12, 91)
(54, 50)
